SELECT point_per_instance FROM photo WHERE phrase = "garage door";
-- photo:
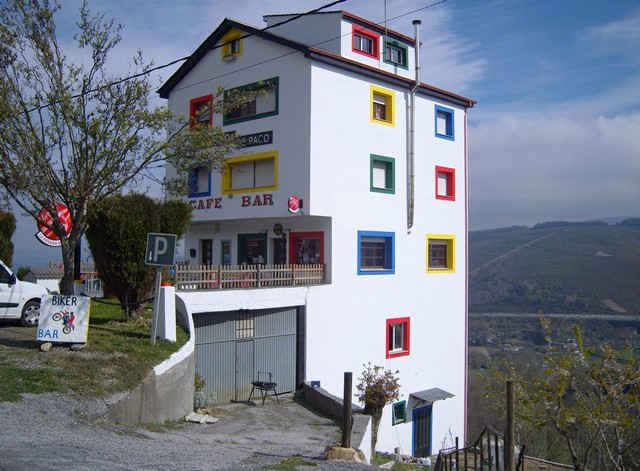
(232, 347)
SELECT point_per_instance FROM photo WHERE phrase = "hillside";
(557, 267)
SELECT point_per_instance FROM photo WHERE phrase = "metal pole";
(457, 454)
(346, 410)
(509, 435)
(156, 307)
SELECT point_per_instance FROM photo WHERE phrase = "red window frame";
(406, 351)
(293, 236)
(194, 103)
(451, 183)
(370, 34)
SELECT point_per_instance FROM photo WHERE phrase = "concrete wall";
(167, 392)
(322, 30)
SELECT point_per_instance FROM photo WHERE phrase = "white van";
(19, 299)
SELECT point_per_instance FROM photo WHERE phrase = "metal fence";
(208, 277)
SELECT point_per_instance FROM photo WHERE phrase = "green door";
(252, 248)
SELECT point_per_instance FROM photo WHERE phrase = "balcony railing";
(211, 277)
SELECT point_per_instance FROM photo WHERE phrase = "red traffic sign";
(46, 234)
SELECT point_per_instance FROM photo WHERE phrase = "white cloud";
(531, 169)
(619, 30)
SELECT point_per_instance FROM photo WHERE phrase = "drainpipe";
(412, 140)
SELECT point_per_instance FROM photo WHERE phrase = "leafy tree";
(72, 133)
(587, 399)
(117, 235)
(7, 228)
(376, 388)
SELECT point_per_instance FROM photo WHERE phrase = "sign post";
(160, 252)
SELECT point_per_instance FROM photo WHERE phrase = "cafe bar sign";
(251, 140)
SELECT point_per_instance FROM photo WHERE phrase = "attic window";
(365, 42)
(231, 45)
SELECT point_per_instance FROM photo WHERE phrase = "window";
(382, 105)
(399, 413)
(376, 253)
(199, 182)
(382, 174)
(365, 42)
(252, 101)
(444, 122)
(306, 247)
(440, 253)
(244, 325)
(250, 173)
(398, 337)
(445, 183)
(395, 53)
(231, 45)
(201, 111)
(5, 278)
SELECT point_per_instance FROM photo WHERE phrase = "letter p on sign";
(161, 249)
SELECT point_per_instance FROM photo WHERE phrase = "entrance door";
(244, 369)
(252, 249)
(279, 251)
(422, 431)
(225, 252)
(206, 249)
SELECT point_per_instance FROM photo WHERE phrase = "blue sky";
(555, 134)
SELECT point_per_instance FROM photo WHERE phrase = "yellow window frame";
(226, 174)
(451, 252)
(225, 41)
(389, 96)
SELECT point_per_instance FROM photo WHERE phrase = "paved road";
(49, 432)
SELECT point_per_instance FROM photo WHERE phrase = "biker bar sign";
(63, 318)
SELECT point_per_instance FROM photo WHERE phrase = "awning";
(425, 398)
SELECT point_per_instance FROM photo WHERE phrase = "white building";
(380, 257)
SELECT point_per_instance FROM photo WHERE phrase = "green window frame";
(404, 53)
(399, 413)
(250, 109)
(389, 164)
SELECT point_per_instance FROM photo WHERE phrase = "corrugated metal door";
(232, 347)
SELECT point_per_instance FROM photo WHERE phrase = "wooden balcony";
(214, 277)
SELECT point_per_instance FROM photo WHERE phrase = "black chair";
(264, 387)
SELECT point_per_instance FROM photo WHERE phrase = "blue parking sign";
(161, 249)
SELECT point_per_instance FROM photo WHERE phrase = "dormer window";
(365, 42)
(395, 53)
(231, 45)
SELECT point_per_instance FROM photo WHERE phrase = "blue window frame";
(199, 182)
(376, 253)
(444, 122)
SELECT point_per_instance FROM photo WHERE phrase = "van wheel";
(30, 313)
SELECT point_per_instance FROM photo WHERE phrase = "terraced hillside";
(557, 267)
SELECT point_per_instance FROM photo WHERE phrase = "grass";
(290, 464)
(117, 357)
(382, 459)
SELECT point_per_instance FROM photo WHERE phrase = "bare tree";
(69, 131)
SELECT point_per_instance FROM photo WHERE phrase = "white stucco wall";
(290, 126)
(324, 137)
(354, 309)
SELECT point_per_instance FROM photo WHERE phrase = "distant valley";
(556, 267)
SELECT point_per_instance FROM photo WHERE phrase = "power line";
(181, 59)
(286, 54)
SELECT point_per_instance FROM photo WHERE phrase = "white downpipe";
(412, 137)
